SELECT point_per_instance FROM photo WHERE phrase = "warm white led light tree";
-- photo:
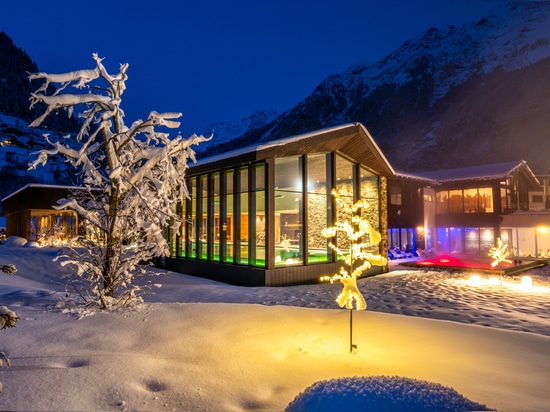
(134, 176)
(499, 254)
(358, 237)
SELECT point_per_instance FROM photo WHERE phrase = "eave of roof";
(475, 173)
(30, 185)
(352, 140)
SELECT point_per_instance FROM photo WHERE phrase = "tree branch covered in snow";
(133, 177)
(8, 318)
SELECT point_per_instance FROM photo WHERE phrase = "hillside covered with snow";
(450, 97)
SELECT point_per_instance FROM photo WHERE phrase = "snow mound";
(380, 394)
(15, 241)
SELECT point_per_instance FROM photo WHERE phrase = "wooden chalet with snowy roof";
(458, 210)
(30, 214)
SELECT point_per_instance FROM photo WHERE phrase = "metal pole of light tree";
(351, 345)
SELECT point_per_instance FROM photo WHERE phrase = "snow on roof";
(40, 185)
(481, 172)
(345, 129)
(260, 146)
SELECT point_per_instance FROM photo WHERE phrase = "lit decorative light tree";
(358, 238)
(499, 255)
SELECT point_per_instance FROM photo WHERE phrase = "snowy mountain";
(231, 134)
(17, 142)
(450, 97)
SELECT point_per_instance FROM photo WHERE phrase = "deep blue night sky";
(217, 60)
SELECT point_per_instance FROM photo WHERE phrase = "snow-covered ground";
(196, 344)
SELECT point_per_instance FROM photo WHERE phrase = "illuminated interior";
(226, 219)
(53, 227)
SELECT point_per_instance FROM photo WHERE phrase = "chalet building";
(463, 210)
(256, 214)
(30, 215)
(530, 225)
(411, 213)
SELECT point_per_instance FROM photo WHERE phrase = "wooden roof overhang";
(352, 140)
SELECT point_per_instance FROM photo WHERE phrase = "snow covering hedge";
(15, 241)
(380, 394)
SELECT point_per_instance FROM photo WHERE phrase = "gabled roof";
(352, 140)
(40, 185)
(476, 173)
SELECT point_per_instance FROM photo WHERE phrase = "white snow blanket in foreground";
(201, 345)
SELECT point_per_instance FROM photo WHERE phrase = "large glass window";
(243, 224)
(370, 193)
(180, 239)
(202, 218)
(225, 220)
(192, 220)
(258, 257)
(471, 201)
(318, 206)
(345, 188)
(214, 217)
(505, 200)
(442, 204)
(471, 240)
(486, 239)
(227, 216)
(486, 200)
(395, 195)
(477, 200)
(288, 211)
(455, 201)
(455, 239)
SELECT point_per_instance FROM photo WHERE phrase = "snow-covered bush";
(132, 177)
(8, 318)
(381, 394)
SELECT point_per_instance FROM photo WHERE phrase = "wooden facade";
(459, 210)
(29, 212)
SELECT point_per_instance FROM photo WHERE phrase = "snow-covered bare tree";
(133, 177)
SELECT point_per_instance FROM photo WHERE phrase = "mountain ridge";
(447, 98)
(422, 82)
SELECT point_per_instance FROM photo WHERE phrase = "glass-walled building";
(255, 215)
